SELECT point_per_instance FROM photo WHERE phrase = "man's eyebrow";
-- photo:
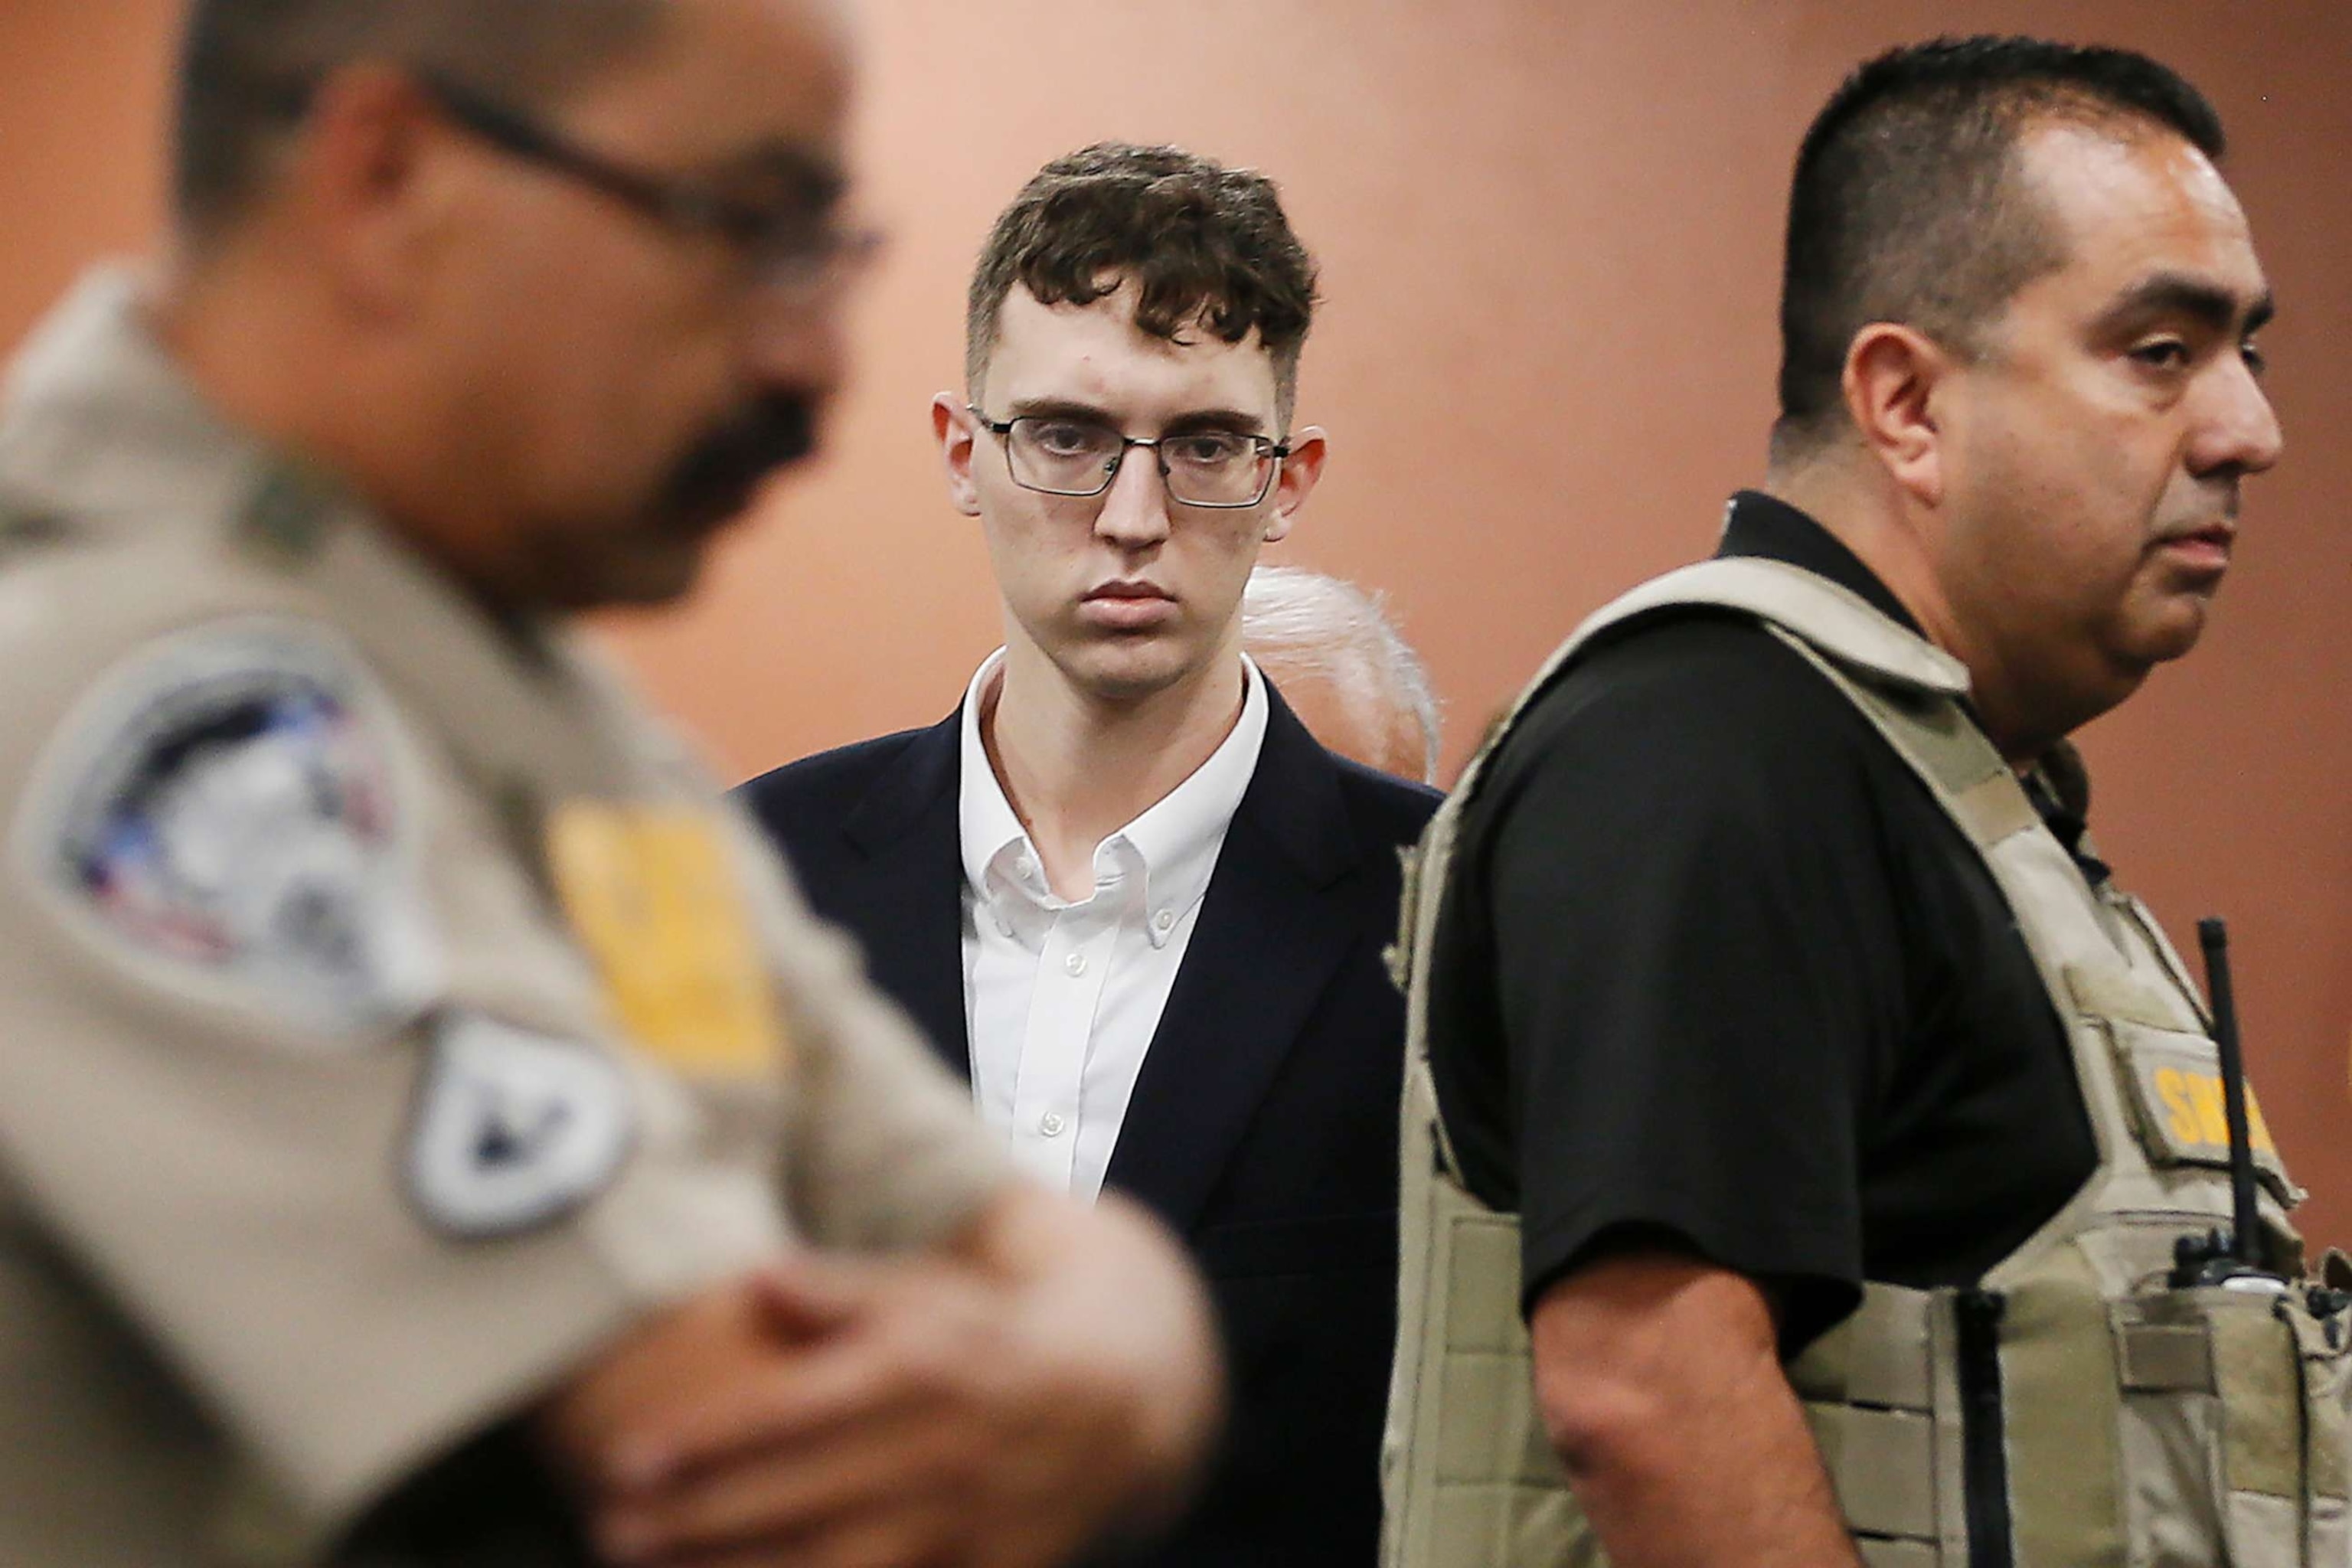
(1188, 423)
(1200, 420)
(2179, 294)
(1056, 408)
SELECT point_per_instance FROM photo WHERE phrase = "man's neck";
(252, 337)
(240, 332)
(1076, 768)
(1873, 527)
(2015, 708)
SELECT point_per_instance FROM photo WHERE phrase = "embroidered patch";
(225, 813)
(513, 1129)
(2173, 1081)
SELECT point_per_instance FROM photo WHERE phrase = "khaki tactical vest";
(2072, 1409)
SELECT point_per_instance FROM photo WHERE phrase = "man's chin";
(640, 579)
(651, 592)
(1125, 670)
(2170, 630)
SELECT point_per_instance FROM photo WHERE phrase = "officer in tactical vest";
(1802, 1126)
(431, 1127)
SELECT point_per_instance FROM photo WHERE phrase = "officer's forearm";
(1663, 1395)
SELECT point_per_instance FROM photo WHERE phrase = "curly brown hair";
(1205, 244)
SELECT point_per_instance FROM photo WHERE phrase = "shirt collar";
(985, 824)
(93, 376)
(101, 422)
(1756, 524)
(1171, 847)
(1179, 837)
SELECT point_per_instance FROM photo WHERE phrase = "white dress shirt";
(1061, 999)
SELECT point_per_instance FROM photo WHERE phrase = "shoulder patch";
(229, 813)
(513, 1129)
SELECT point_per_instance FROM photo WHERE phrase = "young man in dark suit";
(1121, 886)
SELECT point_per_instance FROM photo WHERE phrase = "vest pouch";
(2323, 1340)
(2220, 1428)
(1468, 1476)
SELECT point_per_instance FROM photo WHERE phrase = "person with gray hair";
(433, 1127)
(1347, 670)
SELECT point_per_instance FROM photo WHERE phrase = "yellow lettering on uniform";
(2173, 1090)
(650, 893)
(2257, 1130)
(2211, 1120)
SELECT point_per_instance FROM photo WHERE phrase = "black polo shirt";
(1715, 969)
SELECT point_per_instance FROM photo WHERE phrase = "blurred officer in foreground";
(431, 1129)
(1344, 669)
(1782, 1050)
(1120, 883)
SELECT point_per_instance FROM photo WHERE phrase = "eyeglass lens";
(1078, 457)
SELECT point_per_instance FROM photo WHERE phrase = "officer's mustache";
(719, 476)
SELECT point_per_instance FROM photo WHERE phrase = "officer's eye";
(2163, 353)
(2251, 352)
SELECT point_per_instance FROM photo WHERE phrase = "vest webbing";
(2070, 1405)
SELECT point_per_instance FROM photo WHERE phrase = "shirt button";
(1164, 922)
(1076, 963)
(1050, 1124)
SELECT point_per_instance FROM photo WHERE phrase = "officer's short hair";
(1906, 205)
(247, 66)
(1204, 244)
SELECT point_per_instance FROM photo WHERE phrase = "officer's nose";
(1134, 512)
(798, 343)
(2238, 431)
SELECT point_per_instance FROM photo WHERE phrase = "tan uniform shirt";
(390, 1014)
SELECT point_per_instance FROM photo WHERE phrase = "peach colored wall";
(1550, 233)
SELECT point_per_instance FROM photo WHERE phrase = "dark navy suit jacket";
(1264, 1125)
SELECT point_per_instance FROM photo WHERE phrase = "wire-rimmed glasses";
(1062, 455)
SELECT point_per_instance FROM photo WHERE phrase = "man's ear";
(952, 423)
(1895, 375)
(1301, 470)
(367, 185)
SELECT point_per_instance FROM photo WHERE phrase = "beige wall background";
(1549, 235)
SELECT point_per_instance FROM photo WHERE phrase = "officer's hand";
(998, 1409)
